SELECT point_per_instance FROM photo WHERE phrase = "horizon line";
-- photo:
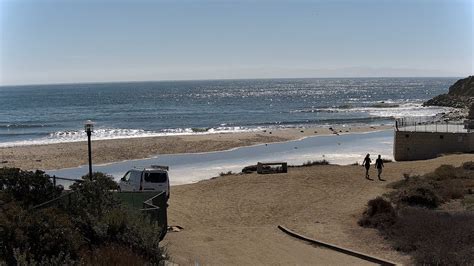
(207, 79)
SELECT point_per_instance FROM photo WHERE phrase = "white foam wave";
(115, 133)
(387, 110)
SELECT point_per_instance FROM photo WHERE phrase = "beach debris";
(302, 131)
(315, 132)
(4, 161)
(266, 167)
(39, 160)
(270, 132)
(175, 228)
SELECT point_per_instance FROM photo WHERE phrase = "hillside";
(460, 95)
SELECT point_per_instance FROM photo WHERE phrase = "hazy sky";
(86, 41)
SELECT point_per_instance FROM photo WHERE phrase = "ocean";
(42, 114)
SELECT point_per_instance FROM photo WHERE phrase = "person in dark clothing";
(379, 165)
(366, 164)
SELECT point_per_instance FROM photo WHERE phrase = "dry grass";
(432, 237)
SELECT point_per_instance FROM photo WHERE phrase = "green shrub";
(37, 235)
(93, 197)
(379, 214)
(63, 234)
(26, 187)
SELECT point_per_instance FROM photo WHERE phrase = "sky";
(70, 41)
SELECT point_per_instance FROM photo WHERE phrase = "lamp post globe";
(89, 128)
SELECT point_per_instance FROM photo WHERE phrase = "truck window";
(126, 177)
(156, 177)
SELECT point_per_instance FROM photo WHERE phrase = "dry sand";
(232, 220)
(64, 155)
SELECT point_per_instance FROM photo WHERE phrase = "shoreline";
(74, 154)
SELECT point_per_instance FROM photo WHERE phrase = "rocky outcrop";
(460, 95)
(463, 87)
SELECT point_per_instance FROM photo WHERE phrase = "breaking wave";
(115, 133)
(387, 110)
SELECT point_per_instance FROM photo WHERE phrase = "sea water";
(193, 167)
(42, 114)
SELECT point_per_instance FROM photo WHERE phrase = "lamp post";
(89, 128)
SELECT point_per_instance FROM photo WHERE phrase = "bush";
(379, 214)
(431, 190)
(434, 238)
(25, 187)
(468, 166)
(450, 189)
(63, 234)
(225, 173)
(37, 235)
(422, 194)
(94, 196)
(319, 162)
(444, 172)
(312, 163)
(107, 255)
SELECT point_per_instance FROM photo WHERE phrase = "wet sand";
(64, 155)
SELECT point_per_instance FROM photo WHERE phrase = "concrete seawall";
(410, 146)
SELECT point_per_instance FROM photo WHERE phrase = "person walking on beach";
(366, 164)
(379, 166)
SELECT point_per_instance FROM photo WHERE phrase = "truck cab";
(153, 178)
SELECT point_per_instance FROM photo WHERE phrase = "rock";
(463, 87)
(460, 95)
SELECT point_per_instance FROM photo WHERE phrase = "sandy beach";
(232, 220)
(64, 155)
